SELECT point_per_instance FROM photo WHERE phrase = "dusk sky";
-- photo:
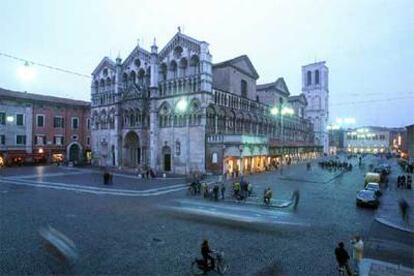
(368, 45)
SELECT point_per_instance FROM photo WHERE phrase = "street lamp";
(26, 72)
(282, 111)
(181, 107)
(241, 160)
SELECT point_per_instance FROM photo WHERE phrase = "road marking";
(42, 175)
(95, 190)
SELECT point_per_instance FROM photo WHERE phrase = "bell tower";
(315, 88)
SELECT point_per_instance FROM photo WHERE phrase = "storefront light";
(41, 150)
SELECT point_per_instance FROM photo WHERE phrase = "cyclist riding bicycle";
(205, 252)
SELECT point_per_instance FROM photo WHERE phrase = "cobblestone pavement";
(136, 235)
(371, 267)
(389, 239)
(389, 212)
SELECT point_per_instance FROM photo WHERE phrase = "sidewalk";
(371, 267)
(389, 212)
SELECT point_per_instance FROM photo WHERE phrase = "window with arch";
(214, 158)
(177, 148)
(309, 78)
(317, 77)
(243, 88)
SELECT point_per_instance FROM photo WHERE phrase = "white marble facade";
(149, 110)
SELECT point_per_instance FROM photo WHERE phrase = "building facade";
(38, 128)
(315, 87)
(375, 140)
(410, 142)
(175, 111)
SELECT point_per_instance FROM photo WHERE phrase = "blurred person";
(357, 252)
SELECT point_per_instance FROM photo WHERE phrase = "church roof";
(179, 36)
(241, 63)
(301, 98)
(279, 85)
(105, 61)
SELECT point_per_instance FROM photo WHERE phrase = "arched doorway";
(166, 158)
(132, 151)
(74, 152)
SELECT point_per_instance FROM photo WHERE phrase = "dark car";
(367, 198)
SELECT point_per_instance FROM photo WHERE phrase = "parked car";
(367, 198)
(374, 187)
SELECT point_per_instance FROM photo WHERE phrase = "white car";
(374, 187)
(367, 198)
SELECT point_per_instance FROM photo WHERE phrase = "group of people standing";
(335, 164)
(242, 189)
(343, 258)
(404, 181)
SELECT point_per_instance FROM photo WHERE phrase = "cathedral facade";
(176, 112)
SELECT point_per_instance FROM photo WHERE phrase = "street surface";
(152, 227)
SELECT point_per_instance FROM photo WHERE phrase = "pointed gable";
(241, 63)
(281, 86)
(105, 62)
(138, 52)
(182, 40)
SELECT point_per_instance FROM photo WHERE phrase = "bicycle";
(198, 266)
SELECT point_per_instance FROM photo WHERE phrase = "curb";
(366, 263)
(393, 225)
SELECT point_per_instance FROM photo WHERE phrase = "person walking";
(223, 190)
(342, 257)
(357, 252)
(404, 209)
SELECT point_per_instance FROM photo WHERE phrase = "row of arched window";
(103, 119)
(309, 78)
(236, 102)
(180, 68)
(179, 86)
(228, 122)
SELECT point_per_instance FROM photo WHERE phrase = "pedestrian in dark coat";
(342, 257)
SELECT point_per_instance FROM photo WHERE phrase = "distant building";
(336, 140)
(374, 140)
(315, 88)
(410, 142)
(36, 128)
(175, 111)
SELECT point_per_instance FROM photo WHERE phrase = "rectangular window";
(40, 120)
(88, 140)
(244, 88)
(74, 137)
(2, 118)
(58, 140)
(75, 123)
(19, 119)
(20, 139)
(58, 122)
(40, 140)
(2, 139)
(88, 123)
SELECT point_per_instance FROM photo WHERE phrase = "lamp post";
(282, 111)
(181, 108)
(241, 160)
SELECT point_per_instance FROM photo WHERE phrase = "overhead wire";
(46, 66)
(337, 104)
